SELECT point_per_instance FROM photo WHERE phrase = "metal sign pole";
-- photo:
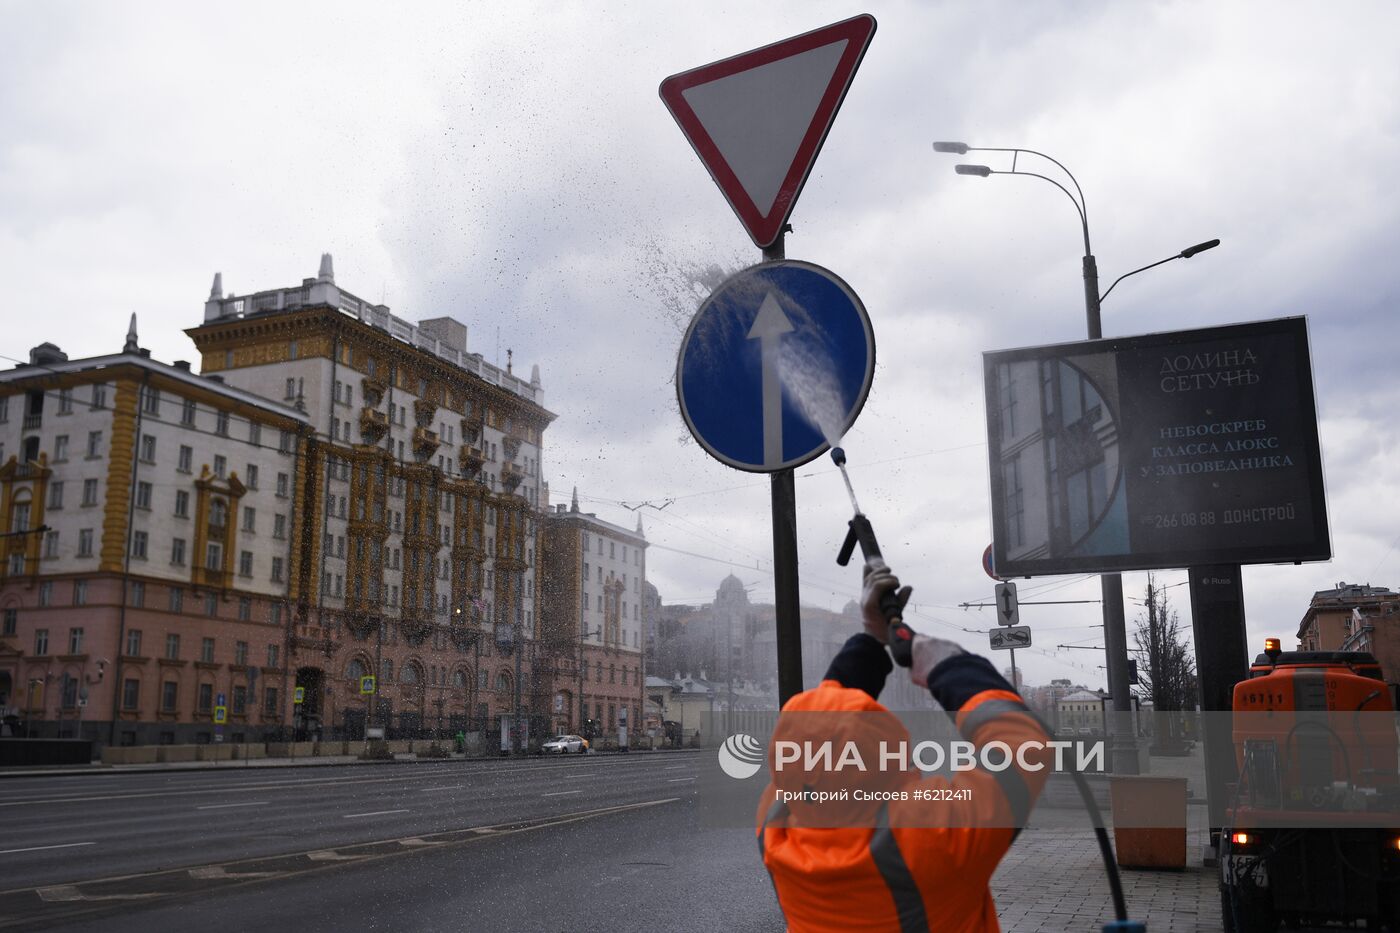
(785, 595)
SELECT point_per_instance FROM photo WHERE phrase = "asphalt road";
(582, 843)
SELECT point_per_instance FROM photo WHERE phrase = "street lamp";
(1115, 632)
(582, 704)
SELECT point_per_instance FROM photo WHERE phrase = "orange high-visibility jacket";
(891, 869)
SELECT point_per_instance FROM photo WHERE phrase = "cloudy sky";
(512, 166)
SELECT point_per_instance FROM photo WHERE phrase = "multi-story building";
(1355, 617)
(595, 590)
(148, 549)
(419, 509)
(340, 493)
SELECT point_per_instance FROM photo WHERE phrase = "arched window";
(412, 673)
(459, 680)
(356, 670)
(502, 682)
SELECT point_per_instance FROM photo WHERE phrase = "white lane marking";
(561, 793)
(330, 855)
(410, 843)
(677, 780)
(482, 772)
(352, 816)
(445, 787)
(229, 806)
(66, 845)
(674, 767)
(61, 893)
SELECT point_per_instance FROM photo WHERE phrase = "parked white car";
(566, 743)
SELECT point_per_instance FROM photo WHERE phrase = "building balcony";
(510, 446)
(373, 425)
(471, 459)
(373, 390)
(32, 422)
(511, 475)
(471, 428)
(425, 443)
(423, 413)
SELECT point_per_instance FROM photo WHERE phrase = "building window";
(50, 544)
(133, 643)
(139, 541)
(60, 448)
(41, 641)
(46, 593)
(250, 517)
(150, 400)
(177, 552)
(269, 701)
(245, 564)
(131, 693)
(9, 621)
(276, 570)
(94, 445)
(206, 650)
(213, 556)
(75, 641)
(251, 478)
(240, 699)
(206, 697)
(254, 433)
(220, 465)
(56, 495)
(182, 504)
(89, 492)
(211, 605)
(99, 396)
(221, 424)
(172, 647)
(148, 448)
(186, 459)
(284, 442)
(143, 495)
(187, 412)
(272, 655)
(168, 694)
(137, 594)
(245, 609)
(240, 653)
(279, 527)
(85, 542)
(283, 484)
(177, 600)
(79, 594)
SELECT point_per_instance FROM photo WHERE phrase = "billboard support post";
(1222, 658)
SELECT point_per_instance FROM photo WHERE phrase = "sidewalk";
(1053, 880)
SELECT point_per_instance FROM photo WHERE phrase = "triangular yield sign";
(758, 120)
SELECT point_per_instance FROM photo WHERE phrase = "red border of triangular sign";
(765, 228)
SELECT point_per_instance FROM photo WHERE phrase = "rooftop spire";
(132, 345)
(535, 375)
(327, 272)
(218, 289)
(574, 506)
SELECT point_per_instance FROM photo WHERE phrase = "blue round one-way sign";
(775, 366)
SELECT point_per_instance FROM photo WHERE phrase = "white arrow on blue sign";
(775, 366)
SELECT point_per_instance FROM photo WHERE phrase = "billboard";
(1159, 451)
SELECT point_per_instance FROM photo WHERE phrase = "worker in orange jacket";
(897, 862)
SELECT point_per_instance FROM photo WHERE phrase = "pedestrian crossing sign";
(367, 684)
(300, 695)
(221, 714)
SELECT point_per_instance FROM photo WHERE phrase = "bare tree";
(1166, 669)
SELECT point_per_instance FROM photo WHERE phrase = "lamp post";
(1123, 743)
(582, 704)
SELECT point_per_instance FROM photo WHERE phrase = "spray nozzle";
(838, 456)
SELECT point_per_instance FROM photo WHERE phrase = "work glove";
(927, 653)
(879, 580)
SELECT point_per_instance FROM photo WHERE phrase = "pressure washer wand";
(861, 532)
